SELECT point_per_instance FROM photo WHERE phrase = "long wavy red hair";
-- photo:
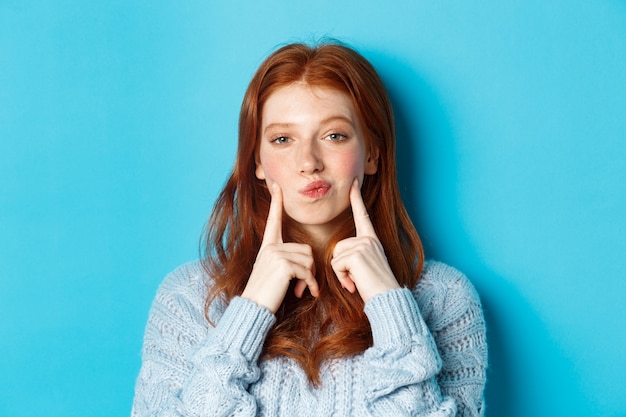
(311, 330)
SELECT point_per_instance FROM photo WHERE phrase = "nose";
(309, 157)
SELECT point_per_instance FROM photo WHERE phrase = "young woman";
(313, 297)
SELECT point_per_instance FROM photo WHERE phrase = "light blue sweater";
(428, 357)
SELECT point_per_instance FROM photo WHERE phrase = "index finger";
(362, 222)
(274, 226)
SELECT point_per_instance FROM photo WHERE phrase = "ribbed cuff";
(244, 327)
(394, 316)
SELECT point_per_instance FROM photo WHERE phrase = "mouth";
(315, 189)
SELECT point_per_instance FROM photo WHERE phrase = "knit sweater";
(428, 356)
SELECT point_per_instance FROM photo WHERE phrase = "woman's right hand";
(277, 263)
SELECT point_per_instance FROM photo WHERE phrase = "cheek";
(351, 166)
(270, 168)
(272, 173)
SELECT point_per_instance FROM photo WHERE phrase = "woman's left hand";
(360, 262)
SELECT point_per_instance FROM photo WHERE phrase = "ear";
(371, 162)
(259, 171)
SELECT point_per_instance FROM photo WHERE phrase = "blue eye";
(280, 140)
(336, 137)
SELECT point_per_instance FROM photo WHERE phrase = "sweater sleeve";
(403, 361)
(411, 369)
(453, 312)
(192, 369)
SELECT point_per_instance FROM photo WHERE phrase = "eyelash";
(279, 140)
(338, 137)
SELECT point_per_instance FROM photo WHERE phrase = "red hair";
(311, 330)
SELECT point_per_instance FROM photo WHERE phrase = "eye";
(280, 140)
(336, 137)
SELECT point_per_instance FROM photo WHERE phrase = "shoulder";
(185, 278)
(185, 289)
(438, 274)
(444, 292)
(177, 319)
(188, 275)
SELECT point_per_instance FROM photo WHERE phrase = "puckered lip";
(315, 189)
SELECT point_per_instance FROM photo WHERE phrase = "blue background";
(118, 128)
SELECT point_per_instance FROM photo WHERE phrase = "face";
(312, 146)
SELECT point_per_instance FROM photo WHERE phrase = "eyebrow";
(323, 122)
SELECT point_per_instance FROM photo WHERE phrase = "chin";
(312, 221)
(318, 220)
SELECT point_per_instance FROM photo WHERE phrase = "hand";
(360, 262)
(277, 263)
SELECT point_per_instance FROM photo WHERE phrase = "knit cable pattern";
(428, 358)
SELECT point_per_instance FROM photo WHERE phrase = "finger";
(362, 221)
(295, 253)
(314, 289)
(346, 282)
(338, 263)
(306, 280)
(299, 288)
(274, 226)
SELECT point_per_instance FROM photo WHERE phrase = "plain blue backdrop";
(118, 128)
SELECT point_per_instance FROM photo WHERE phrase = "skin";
(311, 136)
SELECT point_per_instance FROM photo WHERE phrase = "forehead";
(301, 101)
